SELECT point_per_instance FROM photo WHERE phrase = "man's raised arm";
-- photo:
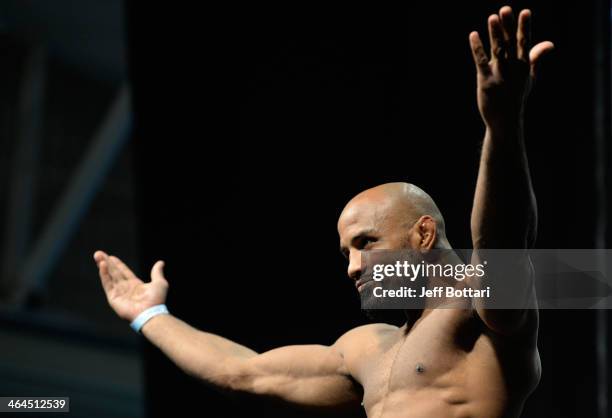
(311, 376)
(504, 214)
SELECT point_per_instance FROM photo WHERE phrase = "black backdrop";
(254, 127)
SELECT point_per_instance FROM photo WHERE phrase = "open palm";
(505, 77)
(125, 292)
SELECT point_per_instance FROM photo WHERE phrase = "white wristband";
(147, 314)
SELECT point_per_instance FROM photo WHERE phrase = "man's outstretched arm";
(504, 214)
(311, 376)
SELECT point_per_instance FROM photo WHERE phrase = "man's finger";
(496, 37)
(478, 53)
(157, 272)
(523, 35)
(114, 271)
(99, 256)
(508, 24)
(540, 50)
(536, 54)
(105, 278)
(123, 269)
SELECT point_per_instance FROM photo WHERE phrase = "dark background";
(254, 128)
(249, 130)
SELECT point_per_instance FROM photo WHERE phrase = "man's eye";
(368, 242)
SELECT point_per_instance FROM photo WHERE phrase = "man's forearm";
(504, 217)
(504, 211)
(209, 357)
(302, 375)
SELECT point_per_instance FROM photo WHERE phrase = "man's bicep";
(311, 376)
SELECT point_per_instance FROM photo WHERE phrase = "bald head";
(402, 204)
(390, 216)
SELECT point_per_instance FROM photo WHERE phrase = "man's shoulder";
(363, 336)
(360, 345)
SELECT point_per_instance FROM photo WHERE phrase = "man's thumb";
(537, 53)
(157, 272)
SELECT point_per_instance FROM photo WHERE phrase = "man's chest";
(432, 354)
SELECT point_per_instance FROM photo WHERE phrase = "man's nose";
(354, 267)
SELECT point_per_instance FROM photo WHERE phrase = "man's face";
(370, 223)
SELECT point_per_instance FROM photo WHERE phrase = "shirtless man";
(475, 362)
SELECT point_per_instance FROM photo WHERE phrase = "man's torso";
(446, 365)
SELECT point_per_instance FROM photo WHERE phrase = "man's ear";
(424, 233)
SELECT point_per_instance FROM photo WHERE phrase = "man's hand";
(126, 293)
(504, 80)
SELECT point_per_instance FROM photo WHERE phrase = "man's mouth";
(360, 283)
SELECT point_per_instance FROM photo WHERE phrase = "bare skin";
(474, 362)
(442, 362)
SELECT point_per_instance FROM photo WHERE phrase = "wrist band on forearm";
(147, 314)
